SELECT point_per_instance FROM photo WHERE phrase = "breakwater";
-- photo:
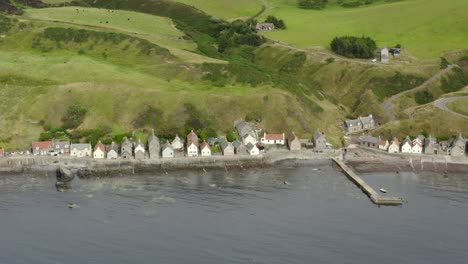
(366, 188)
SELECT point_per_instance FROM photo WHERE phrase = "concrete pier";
(373, 195)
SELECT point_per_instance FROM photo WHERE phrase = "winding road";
(442, 104)
(388, 104)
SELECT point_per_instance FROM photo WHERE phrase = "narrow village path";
(266, 8)
(442, 104)
(388, 104)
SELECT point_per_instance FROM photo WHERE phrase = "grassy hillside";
(425, 28)
(148, 73)
(459, 106)
(156, 29)
(227, 9)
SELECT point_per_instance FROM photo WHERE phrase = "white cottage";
(167, 151)
(177, 143)
(80, 150)
(112, 151)
(272, 139)
(394, 146)
(407, 146)
(417, 147)
(99, 151)
(205, 149)
(252, 149)
(192, 144)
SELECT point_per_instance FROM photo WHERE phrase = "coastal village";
(456, 146)
(251, 142)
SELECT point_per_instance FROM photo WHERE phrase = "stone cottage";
(369, 142)
(154, 146)
(294, 143)
(239, 147)
(62, 147)
(359, 124)
(430, 146)
(458, 146)
(263, 26)
(320, 141)
(227, 148)
(126, 149)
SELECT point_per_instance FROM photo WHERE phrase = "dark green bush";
(312, 4)
(455, 81)
(74, 116)
(423, 97)
(354, 47)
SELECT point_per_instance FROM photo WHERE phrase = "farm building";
(265, 26)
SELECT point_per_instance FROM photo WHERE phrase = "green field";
(159, 30)
(459, 106)
(425, 28)
(227, 9)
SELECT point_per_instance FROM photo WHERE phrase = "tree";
(354, 47)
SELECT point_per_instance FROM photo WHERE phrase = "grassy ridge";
(426, 28)
(460, 106)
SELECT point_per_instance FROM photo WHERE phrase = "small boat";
(383, 190)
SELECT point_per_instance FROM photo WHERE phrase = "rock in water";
(64, 175)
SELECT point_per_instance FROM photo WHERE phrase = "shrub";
(312, 4)
(444, 63)
(455, 81)
(354, 47)
(385, 87)
(279, 23)
(150, 116)
(423, 97)
(5, 24)
(74, 116)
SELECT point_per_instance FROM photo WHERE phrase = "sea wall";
(88, 167)
(371, 160)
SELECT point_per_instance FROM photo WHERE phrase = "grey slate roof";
(250, 146)
(318, 135)
(367, 120)
(352, 122)
(369, 139)
(407, 140)
(244, 128)
(81, 146)
(113, 146)
(236, 143)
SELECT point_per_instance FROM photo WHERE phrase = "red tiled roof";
(274, 136)
(100, 146)
(204, 144)
(42, 144)
(2, 152)
(192, 138)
